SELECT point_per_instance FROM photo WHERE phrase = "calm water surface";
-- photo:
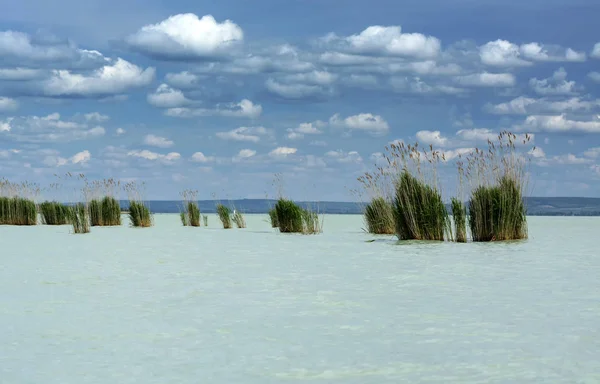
(204, 305)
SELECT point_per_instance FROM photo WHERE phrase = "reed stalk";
(54, 213)
(224, 215)
(379, 217)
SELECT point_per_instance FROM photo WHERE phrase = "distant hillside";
(537, 206)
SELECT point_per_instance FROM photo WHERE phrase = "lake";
(173, 304)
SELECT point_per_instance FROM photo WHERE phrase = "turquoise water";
(170, 304)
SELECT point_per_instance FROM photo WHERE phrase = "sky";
(220, 96)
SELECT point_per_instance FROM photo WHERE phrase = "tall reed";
(273, 218)
(459, 215)
(79, 218)
(54, 213)
(139, 212)
(224, 215)
(289, 216)
(205, 219)
(498, 179)
(191, 213)
(379, 217)
(17, 203)
(238, 219)
(104, 208)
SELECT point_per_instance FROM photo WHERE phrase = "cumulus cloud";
(570, 159)
(294, 91)
(537, 153)
(19, 47)
(417, 86)
(592, 152)
(96, 116)
(305, 129)
(20, 74)
(282, 152)
(50, 128)
(486, 79)
(120, 131)
(244, 154)
(244, 108)
(387, 40)
(251, 134)
(344, 157)
(595, 76)
(199, 157)
(114, 78)
(157, 141)
(596, 51)
(366, 122)
(52, 158)
(502, 53)
(153, 156)
(432, 138)
(81, 157)
(8, 104)
(182, 80)
(167, 97)
(555, 85)
(185, 37)
(526, 105)
(558, 124)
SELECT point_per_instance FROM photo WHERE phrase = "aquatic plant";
(224, 215)
(205, 218)
(100, 196)
(273, 218)
(191, 212)
(79, 218)
(379, 217)
(310, 222)
(498, 179)
(459, 216)
(17, 203)
(139, 212)
(238, 219)
(289, 216)
(54, 213)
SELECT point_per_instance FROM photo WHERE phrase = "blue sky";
(219, 96)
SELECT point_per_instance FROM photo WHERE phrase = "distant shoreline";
(536, 206)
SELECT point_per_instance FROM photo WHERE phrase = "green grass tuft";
(224, 215)
(419, 211)
(239, 220)
(273, 218)
(379, 217)
(54, 213)
(139, 214)
(17, 211)
(459, 215)
(80, 218)
(289, 216)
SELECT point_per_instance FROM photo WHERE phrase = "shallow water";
(170, 304)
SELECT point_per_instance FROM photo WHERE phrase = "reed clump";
(273, 218)
(17, 203)
(459, 216)
(54, 213)
(311, 225)
(104, 208)
(289, 216)
(379, 217)
(498, 178)
(79, 218)
(238, 219)
(224, 215)
(191, 212)
(139, 213)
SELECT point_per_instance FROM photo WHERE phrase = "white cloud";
(486, 79)
(183, 79)
(185, 36)
(8, 104)
(596, 51)
(592, 152)
(432, 138)
(50, 128)
(113, 78)
(244, 154)
(153, 156)
(282, 152)
(537, 153)
(251, 134)
(344, 157)
(367, 122)
(388, 40)
(595, 76)
(318, 143)
(81, 157)
(527, 105)
(503, 53)
(244, 108)
(555, 85)
(120, 131)
(294, 91)
(570, 159)
(96, 116)
(452, 154)
(305, 129)
(157, 141)
(199, 157)
(557, 124)
(19, 74)
(418, 86)
(167, 97)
